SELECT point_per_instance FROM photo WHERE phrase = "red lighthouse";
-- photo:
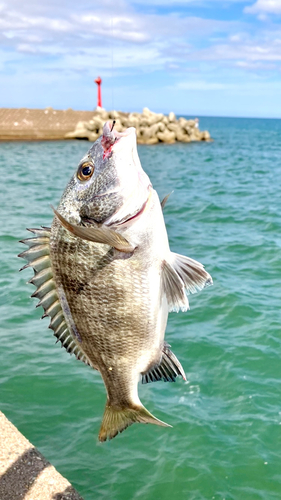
(98, 81)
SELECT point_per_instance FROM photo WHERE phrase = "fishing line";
(112, 65)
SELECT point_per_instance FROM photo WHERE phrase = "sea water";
(224, 211)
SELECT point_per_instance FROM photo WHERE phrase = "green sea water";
(226, 437)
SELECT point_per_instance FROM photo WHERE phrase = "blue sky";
(195, 57)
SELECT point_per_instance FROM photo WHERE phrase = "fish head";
(109, 186)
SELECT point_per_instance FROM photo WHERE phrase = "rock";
(82, 134)
(150, 132)
(205, 136)
(152, 140)
(172, 117)
(154, 118)
(182, 121)
(95, 125)
(125, 122)
(173, 127)
(93, 137)
(181, 135)
(161, 127)
(189, 124)
(132, 121)
(102, 113)
(167, 136)
(146, 112)
(149, 141)
(150, 127)
(113, 115)
(135, 115)
(118, 125)
(144, 122)
(70, 135)
(81, 125)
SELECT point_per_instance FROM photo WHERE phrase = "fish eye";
(85, 171)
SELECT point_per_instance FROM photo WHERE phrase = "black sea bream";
(106, 276)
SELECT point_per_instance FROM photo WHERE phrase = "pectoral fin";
(167, 370)
(191, 272)
(173, 288)
(180, 276)
(97, 234)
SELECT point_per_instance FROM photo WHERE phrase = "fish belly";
(114, 306)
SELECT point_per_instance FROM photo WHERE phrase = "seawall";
(25, 474)
(24, 124)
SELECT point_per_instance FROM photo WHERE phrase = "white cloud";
(104, 36)
(241, 87)
(109, 20)
(197, 3)
(247, 49)
(264, 6)
(81, 38)
(200, 85)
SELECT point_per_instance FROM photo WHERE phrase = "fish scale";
(116, 299)
(108, 280)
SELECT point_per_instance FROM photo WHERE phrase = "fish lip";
(113, 133)
(111, 136)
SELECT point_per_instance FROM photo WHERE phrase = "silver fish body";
(108, 278)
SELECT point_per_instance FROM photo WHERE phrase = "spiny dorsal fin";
(165, 199)
(38, 257)
(167, 370)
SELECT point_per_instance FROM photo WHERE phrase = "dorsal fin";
(38, 257)
(165, 199)
(167, 370)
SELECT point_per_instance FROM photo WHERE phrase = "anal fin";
(167, 370)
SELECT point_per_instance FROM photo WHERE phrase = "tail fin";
(116, 420)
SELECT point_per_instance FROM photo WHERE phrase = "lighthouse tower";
(98, 81)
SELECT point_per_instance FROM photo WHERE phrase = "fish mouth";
(110, 136)
(131, 217)
(113, 219)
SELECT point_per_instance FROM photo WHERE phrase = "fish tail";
(117, 419)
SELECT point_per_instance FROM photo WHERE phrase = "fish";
(105, 275)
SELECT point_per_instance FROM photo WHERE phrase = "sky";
(193, 57)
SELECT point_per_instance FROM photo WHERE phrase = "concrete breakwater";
(151, 128)
(27, 124)
(25, 474)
